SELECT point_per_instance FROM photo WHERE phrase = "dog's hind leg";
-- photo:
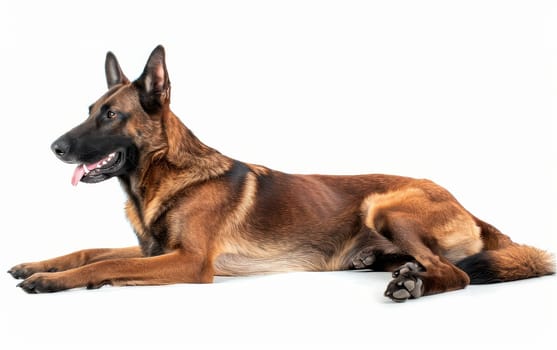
(427, 224)
(431, 273)
(73, 260)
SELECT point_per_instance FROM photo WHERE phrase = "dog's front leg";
(76, 259)
(174, 267)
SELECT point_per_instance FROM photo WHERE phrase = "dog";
(199, 214)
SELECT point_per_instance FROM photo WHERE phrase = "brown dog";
(198, 213)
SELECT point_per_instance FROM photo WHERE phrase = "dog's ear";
(114, 74)
(153, 84)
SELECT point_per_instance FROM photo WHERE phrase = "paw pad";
(406, 283)
(364, 259)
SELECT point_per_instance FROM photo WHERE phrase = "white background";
(463, 93)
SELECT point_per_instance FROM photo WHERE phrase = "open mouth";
(99, 170)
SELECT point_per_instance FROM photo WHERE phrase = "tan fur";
(454, 229)
(516, 261)
(459, 238)
(133, 217)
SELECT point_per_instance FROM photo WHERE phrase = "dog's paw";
(406, 283)
(41, 283)
(25, 270)
(364, 259)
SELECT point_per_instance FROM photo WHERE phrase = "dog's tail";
(503, 260)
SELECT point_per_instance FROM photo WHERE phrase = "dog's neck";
(183, 162)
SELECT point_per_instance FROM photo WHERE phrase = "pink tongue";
(79, 172)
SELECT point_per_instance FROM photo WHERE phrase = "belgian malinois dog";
(198, 213)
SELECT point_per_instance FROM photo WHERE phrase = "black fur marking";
(89, 143)
(384, 262)
(386, 232)
(159, 233)
(151, 247)
(237, 174)
(480, 268)
(132, 160)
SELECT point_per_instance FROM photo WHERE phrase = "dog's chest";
(153, 240)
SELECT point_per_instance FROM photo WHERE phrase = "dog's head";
(124, 123)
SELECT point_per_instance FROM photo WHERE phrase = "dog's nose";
(60, 148)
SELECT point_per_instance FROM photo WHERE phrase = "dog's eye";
(110, 114)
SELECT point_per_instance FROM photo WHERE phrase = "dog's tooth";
(104, 162)
(85, 169)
